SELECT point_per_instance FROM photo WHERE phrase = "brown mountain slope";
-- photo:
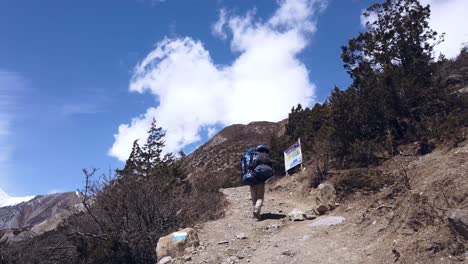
(220, 157)
(41, 214)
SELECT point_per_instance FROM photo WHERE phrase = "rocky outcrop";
(174, 244)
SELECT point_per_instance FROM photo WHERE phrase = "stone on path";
(296, 215)
(241, 236)
(165, 260)
(322, 209)
(328, 221)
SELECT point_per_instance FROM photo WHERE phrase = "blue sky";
(70, 85)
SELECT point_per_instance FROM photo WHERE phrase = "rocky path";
(238, 238)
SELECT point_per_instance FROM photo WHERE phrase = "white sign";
(293, 156)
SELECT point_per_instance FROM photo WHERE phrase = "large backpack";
(253, 170)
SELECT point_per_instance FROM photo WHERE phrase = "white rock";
(165, 260)
(296, 215)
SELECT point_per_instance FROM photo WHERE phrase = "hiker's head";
(263, 148)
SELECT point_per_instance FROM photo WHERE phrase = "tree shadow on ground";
(270, 216)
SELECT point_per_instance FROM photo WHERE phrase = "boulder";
(326, 195)
(458, 219)
(322, 209)
(174, 244)
(296, 215)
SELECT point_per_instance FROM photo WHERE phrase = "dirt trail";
(238, 238)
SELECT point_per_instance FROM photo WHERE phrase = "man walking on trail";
(256, 168)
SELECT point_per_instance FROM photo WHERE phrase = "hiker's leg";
(253, 195)
(260, 195)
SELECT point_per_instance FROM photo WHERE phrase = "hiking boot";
(256, 213)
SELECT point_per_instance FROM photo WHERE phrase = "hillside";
(220, 156)
(387, 226)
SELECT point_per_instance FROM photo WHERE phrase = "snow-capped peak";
(7, 200)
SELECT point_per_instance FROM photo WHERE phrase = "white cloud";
(7, 200)
(449, 17)
(262, 83)
(218, 28)
(211, 131)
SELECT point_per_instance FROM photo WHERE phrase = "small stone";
(223, 242)
(296, 215)
(322, 209)
(165, 260)
(241, 236)
(287, 253)
(310, 216)
(187, 258)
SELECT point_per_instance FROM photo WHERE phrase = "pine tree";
(392, 61)
(154, 144)
(134, 163)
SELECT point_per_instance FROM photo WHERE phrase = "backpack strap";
(251, 163)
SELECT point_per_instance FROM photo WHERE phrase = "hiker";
(256, 169)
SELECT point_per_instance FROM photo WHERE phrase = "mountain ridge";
(7, 200)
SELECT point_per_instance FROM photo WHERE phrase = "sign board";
(293, 156)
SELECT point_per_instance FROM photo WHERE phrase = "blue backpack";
(253, 172)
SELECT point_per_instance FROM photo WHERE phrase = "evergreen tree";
(154, 144)
(392, 61)
(134, 162)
